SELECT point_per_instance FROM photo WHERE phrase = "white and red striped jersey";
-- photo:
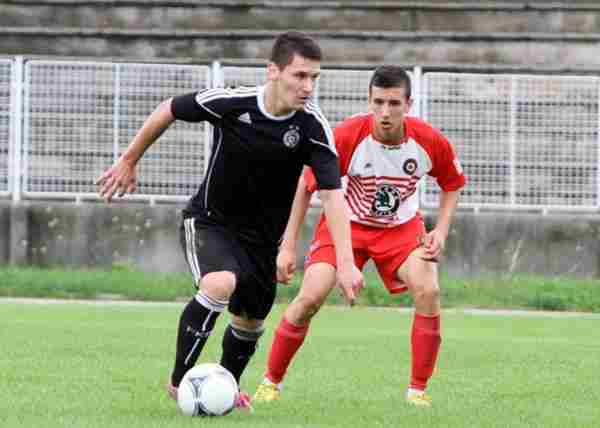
(381, 187)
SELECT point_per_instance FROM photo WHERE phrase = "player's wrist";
(344, 263)
(130, 159)
(442, 230)
(289, 247)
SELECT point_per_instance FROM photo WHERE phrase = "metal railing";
(526, 141)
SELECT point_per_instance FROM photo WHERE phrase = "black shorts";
(210, 247)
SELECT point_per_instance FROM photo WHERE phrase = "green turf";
(491, 291)
(70, 365)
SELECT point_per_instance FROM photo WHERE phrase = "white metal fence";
(525, 141)
(6, 104)
(79, 116)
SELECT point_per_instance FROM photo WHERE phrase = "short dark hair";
(294, 42)
(390, 76)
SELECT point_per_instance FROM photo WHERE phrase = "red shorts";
(388, 247)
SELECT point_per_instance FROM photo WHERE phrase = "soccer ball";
(207, 390)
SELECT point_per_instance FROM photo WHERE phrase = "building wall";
(147, 237)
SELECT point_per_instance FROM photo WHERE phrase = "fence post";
(15, 146)
(512, 148)
(19, 219)
(598, 150)
(116, 107)
(422, 113)
(215, 80)
(416, 93)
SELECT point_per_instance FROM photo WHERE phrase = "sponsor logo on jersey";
(245, 117)
(291, 138)
(410, 166)
(386, 202)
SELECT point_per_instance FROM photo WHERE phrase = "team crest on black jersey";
(410, 166)
(387, 201)
(291, 138)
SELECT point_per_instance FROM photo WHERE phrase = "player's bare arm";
(435, 240)
(121, 177)
(349, 277)
(286, 258)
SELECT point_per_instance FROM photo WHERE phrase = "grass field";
(70, 365)
(515, 291)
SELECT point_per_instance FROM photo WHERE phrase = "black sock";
(238, 347)
(195, 325)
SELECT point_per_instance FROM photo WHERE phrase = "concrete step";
(426, 48)
(473, 16)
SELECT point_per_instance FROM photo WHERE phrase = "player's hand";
(286, 265)
(350, 281)
(119, 179)
(433, 243)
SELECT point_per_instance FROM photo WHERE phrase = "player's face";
(389, 106)
(295, 83)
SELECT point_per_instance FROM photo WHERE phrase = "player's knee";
(253, 325)
(218, 285)
(426, 291)
(307, 306)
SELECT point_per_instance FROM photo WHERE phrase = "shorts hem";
(398, 290)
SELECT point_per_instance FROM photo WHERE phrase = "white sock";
(414, 391)
(268, 381)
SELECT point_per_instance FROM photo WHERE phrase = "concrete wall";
(426, 48)
(509, 243)
(5, 228)
(66, 234)
(474, 16)
(517, 33)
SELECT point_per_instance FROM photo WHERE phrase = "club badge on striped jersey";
(291, 138)
(386, 202)
(410, 166)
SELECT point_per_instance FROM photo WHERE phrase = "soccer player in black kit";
(263, 137)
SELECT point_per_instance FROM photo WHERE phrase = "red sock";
(425, 344)
(288, 339)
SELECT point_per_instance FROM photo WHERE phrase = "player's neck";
(394, 139)
(273, 104)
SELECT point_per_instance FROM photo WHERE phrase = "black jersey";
(256, 160)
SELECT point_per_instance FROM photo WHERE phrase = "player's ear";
(370, 101)
(272, 71)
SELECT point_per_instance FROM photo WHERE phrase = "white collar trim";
(263, 110)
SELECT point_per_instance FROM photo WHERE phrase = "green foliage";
(124, 282)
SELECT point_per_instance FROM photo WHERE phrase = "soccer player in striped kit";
(263, 136)
(383, 154)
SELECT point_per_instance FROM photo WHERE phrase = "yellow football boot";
(418, 398)
(266, 392)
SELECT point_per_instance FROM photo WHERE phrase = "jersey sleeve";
(347, 135)
(446, 167)
(206, 105)
(322, 153)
